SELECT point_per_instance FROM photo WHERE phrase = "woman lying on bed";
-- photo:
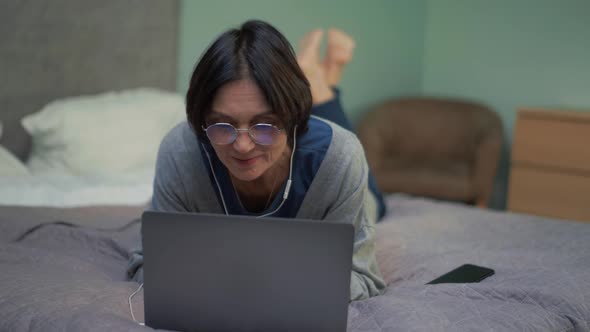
(250, 146)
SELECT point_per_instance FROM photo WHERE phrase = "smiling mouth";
(246, 162)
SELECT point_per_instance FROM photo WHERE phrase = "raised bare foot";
(308, 58)
(338, 54)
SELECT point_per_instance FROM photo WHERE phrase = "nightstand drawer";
(548, 193)
(562, 143)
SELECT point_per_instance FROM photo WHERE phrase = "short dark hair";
(256, 51)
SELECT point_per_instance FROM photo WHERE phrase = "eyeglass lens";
(225, 133)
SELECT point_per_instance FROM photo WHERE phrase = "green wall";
(389, 36)
(504, 53)
(507, 54)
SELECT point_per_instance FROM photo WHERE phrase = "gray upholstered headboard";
(52, 49)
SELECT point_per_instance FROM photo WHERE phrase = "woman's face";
(242, 104)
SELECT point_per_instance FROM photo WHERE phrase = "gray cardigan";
(338, 193)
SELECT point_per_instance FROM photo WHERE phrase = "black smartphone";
(464, 274)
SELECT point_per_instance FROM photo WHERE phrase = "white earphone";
(287, 186)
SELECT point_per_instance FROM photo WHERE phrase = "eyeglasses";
(224, 133)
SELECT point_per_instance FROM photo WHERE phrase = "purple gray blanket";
(62, 278)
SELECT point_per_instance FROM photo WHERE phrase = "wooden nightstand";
(550, 168)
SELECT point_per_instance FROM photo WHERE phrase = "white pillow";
(10, 165)
(102, 134)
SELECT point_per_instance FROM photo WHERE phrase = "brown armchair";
(441, 148)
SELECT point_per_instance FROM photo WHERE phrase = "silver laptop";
(206, 272)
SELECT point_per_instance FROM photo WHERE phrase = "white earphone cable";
(287, 186)
(289, 181)
(131, 307)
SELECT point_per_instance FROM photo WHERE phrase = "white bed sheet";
(69, 190)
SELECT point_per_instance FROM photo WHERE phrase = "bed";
(68, 221)
(59, 277)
